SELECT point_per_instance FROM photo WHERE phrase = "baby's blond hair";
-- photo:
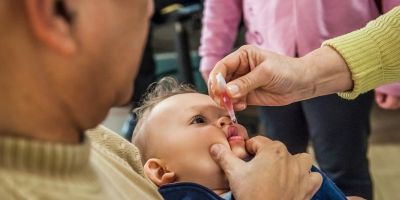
(156, 92)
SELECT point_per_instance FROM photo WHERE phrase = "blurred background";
(172, 50)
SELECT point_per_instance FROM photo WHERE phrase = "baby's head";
(176, 127)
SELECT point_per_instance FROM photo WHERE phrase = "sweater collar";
(44, 158)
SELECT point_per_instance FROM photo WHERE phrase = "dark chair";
(177, 12)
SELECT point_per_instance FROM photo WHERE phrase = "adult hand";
(260, 77)
(273, 173)
(387, 101)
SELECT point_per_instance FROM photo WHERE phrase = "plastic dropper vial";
(226, 100)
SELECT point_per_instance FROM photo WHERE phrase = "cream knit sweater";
(105, 166)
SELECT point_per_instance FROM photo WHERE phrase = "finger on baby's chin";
(225, 158)
(254, 144)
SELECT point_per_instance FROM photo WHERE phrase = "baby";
(176, 127)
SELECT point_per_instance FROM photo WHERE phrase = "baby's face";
(183, 127)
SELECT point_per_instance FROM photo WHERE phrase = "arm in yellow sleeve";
(371, 53)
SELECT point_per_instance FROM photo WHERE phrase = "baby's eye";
(198, 119)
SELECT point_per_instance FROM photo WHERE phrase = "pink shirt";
(284, 26)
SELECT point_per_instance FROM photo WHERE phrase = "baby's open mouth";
(236, 142)
(233, 134)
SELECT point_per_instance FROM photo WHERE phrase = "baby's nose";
(223, 121)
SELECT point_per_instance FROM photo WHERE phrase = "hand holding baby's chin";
(240, 152)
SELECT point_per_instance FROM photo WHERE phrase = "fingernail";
(215, 149)
(233, 90)
(241, 106)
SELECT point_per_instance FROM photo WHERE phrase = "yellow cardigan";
(372, 53)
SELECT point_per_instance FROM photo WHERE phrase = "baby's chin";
(239, 151)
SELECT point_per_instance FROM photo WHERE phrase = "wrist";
(326, 72)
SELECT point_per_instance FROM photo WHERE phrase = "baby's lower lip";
(235, 139)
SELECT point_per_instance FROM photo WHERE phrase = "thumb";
(225, 159)
(241, 86)
(315, 183)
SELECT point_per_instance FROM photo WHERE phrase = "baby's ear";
(157, 172)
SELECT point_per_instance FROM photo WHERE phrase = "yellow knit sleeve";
(372, 53)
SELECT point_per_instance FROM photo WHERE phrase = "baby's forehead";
(184, 102)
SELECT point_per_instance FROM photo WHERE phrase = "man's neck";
(35, 115)
(39, 127)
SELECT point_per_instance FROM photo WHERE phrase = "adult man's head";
(64, 63)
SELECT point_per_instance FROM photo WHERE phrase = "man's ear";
(51, 22)
(157, 172)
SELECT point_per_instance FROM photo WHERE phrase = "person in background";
(295, 28)
(350, 65)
